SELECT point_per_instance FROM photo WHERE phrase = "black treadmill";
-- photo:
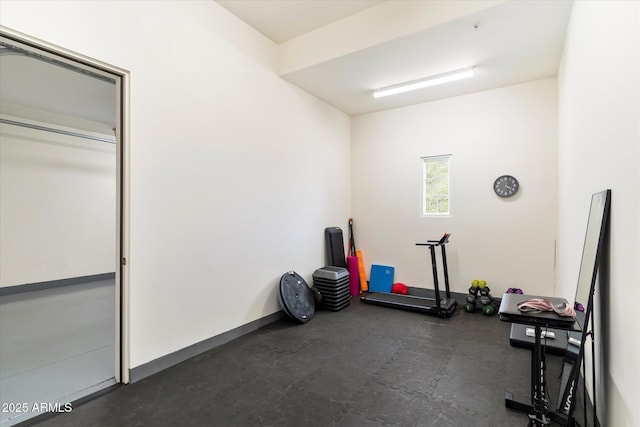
(420, 299)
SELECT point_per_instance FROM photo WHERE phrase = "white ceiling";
(515, 41)
(282, 20)
(508, 42)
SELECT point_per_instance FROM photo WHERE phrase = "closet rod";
(60, 131)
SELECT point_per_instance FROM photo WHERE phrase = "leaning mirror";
(583, 302)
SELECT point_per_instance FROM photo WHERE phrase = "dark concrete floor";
(362, 366)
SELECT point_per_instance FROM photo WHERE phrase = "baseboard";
(28, 287)
(164, 362)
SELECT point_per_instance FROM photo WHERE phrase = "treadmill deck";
(418, 303)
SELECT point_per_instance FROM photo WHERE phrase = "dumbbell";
(514, 291)
(486, 301)
(470, 304)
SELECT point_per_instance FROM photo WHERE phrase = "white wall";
(58, 210)
(234, 172)
(599, 148)
(508, 242)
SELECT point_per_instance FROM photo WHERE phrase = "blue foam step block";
(381, 278)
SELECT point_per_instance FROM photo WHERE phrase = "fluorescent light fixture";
(426, 82)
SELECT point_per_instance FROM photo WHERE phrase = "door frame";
(122, 80)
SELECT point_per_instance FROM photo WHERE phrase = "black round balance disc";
(296, 298)
(317, 296)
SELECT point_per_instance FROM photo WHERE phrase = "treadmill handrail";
(442, 241)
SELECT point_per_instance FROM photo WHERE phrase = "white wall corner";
(244, 37)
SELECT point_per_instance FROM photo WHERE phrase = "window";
(436, 198)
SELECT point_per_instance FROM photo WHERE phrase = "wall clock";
(506, 186)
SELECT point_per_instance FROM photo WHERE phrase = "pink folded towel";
(538, 305)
